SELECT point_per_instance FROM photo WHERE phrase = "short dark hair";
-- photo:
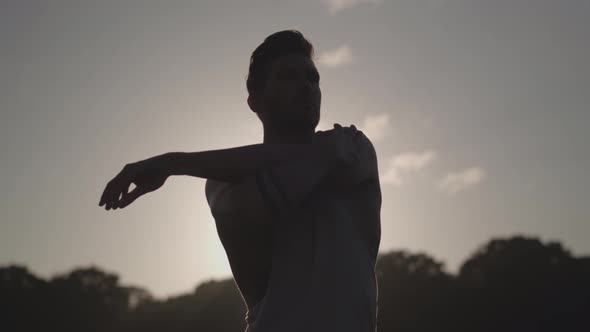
(280, 43)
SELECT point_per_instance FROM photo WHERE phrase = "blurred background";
(478, 111)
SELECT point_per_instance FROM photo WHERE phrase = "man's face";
(291, 96)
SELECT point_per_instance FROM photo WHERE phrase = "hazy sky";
(478, 111)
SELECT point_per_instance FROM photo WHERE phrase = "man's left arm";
(364, 169)
(294, 182)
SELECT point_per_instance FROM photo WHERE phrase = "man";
(299, 214)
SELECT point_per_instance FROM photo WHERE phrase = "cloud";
(376, 126)
(453, 183)
(414, 161)
(391, 176)
(337, 57)
(335, 6)
(406, 162)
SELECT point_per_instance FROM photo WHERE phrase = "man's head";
(283, 83)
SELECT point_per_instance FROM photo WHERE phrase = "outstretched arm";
(344, 156)
(266, 191)
(233, 164)
(229, 165)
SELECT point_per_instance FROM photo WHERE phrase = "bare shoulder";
(365, 142)
(366, 150)
(369, 159)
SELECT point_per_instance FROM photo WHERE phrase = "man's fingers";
(108, 193)
(112, 193)
(108, 196)
(116, 195)
(350, 128)
(128, 198)
(105, 194)
(357, 133)
(120, 194)
(112, 199)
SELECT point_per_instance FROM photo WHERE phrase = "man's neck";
(304, 137)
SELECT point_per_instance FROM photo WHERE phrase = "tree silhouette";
(21, 299)
(510, 284)
(522, 284)
(88, 300)
(213, 306)
(413, 290)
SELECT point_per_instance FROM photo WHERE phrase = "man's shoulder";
(366, 143)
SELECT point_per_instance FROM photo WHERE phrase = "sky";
(478, 111)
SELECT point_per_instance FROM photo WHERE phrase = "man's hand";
(340, 143)
(354, 154)
(148, 175)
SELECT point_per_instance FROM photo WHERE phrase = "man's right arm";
(233, 164)
(298, 167)
(260, 197)
(284, 174)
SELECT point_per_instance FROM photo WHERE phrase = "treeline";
(513, 284)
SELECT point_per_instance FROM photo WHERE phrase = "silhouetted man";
(299, 214)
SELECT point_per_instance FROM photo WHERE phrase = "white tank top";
(322, 276)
